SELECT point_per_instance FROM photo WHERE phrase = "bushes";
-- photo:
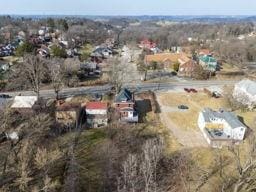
(24, 48)
(58, 51)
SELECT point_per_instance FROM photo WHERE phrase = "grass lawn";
(187, 119)
(229, 68)
(205, 158)
(89, 171)
(249, 117)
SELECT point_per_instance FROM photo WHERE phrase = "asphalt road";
(68, 92)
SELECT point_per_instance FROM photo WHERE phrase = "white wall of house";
(238, 133)
(130, 114)
(96, 111)
(201, 121)
(234, 133)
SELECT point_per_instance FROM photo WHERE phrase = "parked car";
(4, 96)
(183, 107)
(218, 133)
(187, 90)
(193, 90)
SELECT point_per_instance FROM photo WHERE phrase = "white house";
(96, 114)
(245, 93)
(221, 125)
(24, 102)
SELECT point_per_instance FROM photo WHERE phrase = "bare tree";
(117, 73)
(142, 167)
(44, 160)
(246, 180)
(130, 174)
(56, 75)
(24, 167)
(34, 69)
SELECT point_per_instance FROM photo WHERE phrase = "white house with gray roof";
(218, 126)
(245, 93)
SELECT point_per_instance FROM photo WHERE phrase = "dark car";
(4, 96)
(193, 90)
(218, 133)
(187, 90)
(183, 107)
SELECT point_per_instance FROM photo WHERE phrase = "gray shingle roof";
(124, 96)
(230, 118)
(247, 85)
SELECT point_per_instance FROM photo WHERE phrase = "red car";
(193, 90)
(187, 90)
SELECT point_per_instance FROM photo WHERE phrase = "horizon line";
(132, 15)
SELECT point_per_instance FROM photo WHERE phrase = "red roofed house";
(96, 114)
(188, 69)
(147, 44)
(205, 52)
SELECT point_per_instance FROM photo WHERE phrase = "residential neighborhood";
(116, 103)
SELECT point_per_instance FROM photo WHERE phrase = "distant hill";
(186, 18)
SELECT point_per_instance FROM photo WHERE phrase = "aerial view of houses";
(118, 96)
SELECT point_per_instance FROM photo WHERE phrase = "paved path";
(132, 74)
(188, 139)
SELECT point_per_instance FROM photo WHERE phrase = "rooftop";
(24, 101)
(229, 117)
(205, 52)
(65, 106)
(162, 57)
(208, 59)
(96, 105)
(124, 96)
(248, 85)
(88, 65)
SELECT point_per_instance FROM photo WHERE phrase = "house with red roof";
(205, 52)
(96, 114)
(188, 69)
(147, 44)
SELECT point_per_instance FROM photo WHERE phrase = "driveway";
(187, 139)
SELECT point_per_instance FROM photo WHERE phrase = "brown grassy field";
(187, 119)
(205, 158)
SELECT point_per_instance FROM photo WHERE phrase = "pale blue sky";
(129, 7)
